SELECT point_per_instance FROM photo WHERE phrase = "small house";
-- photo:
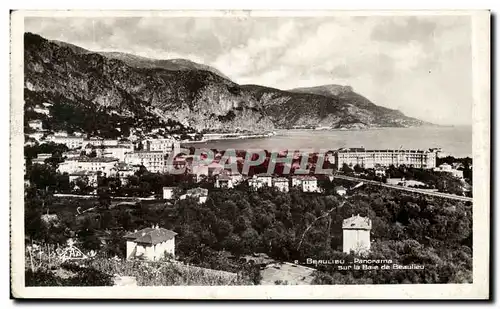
(150, 243)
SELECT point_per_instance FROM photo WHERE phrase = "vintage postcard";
(250, 154)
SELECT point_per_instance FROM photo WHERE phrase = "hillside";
(327, 106)
(121, 88)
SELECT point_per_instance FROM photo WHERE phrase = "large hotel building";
(372, 158)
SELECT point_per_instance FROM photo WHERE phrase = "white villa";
(150, 243)
(306, 183)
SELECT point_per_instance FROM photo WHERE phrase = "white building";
(356, 234)
(71, 154)
(281, 183)
(36, 136)
(168, 193)
(153, 161)
(200, 193)
(116, 151)
(306, 183)
(446, 168)
(223, 181)
(90, 177)
(107, 166)
(36, 124)
(150, 243)
(260, 181)
(123, 171)
(41, 110)
(340, 190)
(166, 145)
(71, 142)
(371, 158)
(41, 157)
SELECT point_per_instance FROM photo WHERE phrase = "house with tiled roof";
(151, 243)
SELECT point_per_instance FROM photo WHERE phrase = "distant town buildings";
(124, 171)
(260, 181)
(89, 177)
(36, 124)
(452, 169)
(371, 158)
(223, 181)
(356, 234)
(150, 243)
(41, 157)
(104, 165)
(340, 190)
(282, 184)
(41, 109)
(153, 161)
(198, 193)
(71, 142)
(168, 193)
(306, 183)
(166, 145)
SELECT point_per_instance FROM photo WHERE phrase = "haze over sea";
(456, 140)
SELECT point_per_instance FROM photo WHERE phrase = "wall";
(357, 240)
(130, 249)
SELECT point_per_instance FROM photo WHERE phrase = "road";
(421, 191)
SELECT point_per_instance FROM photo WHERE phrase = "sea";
(453, 140)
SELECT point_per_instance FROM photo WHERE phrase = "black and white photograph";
(216, 150)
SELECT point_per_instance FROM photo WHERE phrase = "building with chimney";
(356, 234)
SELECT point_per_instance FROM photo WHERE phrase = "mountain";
(144, 62)
(326, 106)
(116, 90)
(364, 110)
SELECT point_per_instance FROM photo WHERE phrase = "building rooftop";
(223, 177)
(380, 150)
(305, 177)
(280, 179)
(96, 159)
(198, 192)
(151, 235)
(357, 223)
(83, 173)
(263, 175)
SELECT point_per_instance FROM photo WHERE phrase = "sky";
(420, 65)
